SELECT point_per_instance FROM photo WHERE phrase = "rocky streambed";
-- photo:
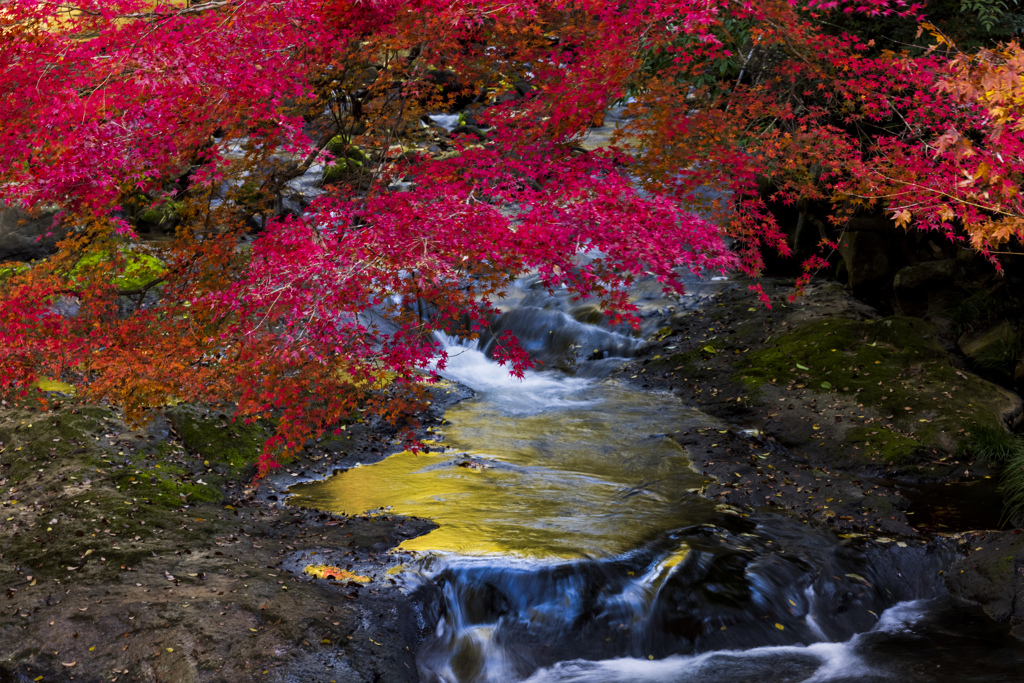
(867, 424)
(146, 555)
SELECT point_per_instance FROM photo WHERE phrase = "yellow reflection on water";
(578, 482)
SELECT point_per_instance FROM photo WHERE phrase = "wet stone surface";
(876, 456)
(815, 441)
(126, 556)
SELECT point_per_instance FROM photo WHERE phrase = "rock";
(476, 131)
(24, 237)
(231, 445)
(349, 161)
(915, 286)
(995, 348)
(164, 217)
(867, 250)
(992, 575)
(524, 88)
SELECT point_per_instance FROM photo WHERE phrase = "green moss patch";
(349, 160)
(133, 270)
(685, 361)
(893, 365)
(9, 270)
(229, 445)
(163, 214)
(168, 486)
(895, 448)
(79, 491)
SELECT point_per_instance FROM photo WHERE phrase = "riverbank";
(145, 555)
(851, 420)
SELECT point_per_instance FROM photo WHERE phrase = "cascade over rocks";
(868, 434)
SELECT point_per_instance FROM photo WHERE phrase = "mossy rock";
(165, 486)
(895, 448)
(164, 215)
(9, 270)
(349, 160)
(72, 498)
(231, 444)
(894, 365)
(685, 361)
(134, 270)
(28, 437)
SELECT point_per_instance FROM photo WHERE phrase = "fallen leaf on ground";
(323, 571)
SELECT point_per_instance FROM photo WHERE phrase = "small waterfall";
(722, 601)
(572, 335)
(573, 545)
(557, 340)
(535, 392)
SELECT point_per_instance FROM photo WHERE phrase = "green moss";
(231, 444)
(53, 494)
(167, 487)
(29, 438)
(894, 447)
(1004, 566)
(166, 213)
(10, 270)
(73, 499)
(134, 270)
(845, 351)
(349, 160)
(894, 365)
(686, 361)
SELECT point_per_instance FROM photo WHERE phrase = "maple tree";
(118, 110)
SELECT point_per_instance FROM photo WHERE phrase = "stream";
(573, 545)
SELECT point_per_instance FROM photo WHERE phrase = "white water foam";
(826, 661)
(447, 121)
(536, 392)
(901, 616)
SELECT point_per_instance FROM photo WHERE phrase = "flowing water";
(573, 545)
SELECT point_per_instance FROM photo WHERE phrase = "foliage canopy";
(126, 113)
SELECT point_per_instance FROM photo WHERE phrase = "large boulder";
(24, 237)
(992, 575)
(872, 253)
(994, 349)
(916, 286)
